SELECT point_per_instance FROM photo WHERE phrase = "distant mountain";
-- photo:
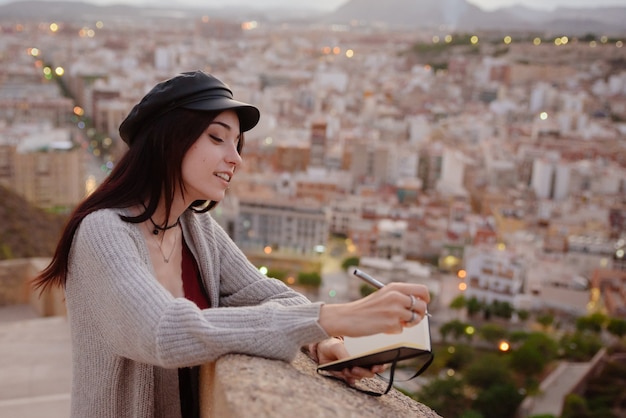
(454, 15)
(463, 16)
(81, 11)
(419, 14)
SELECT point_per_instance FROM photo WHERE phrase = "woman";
(154, 287)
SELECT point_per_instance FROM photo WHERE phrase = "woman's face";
(209, 165)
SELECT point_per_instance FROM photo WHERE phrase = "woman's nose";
(234, 157)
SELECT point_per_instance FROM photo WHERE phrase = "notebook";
(385, 348)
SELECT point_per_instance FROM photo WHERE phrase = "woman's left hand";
(333, 349)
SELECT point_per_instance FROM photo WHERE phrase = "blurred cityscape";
(490, 166)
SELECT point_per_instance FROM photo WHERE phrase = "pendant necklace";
(159, 242)
(158, 228)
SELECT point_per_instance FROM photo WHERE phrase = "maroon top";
(189, 377)
(191, 280)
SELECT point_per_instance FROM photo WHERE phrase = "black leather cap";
(189, 90)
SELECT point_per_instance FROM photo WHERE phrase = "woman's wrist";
(311, 349)
(332, 318)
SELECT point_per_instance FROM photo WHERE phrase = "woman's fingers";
(388, 310)
(357, 373)
(417, 290)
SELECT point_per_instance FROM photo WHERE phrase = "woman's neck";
(176, 210)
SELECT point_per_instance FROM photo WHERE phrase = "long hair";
(150, 169)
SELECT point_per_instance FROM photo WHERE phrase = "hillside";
(460, 15)
(455, 15)
(26, 231)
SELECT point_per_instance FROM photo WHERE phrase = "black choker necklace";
(158, 228)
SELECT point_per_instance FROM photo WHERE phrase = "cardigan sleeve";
(111, 274)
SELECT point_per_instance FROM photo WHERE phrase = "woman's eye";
(215, 138)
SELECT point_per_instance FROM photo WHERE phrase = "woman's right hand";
(388, 310)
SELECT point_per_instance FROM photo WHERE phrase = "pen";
(369, 279)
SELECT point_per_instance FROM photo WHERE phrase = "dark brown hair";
(151, 167)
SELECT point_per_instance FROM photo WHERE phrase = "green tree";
(458, 303)
(523, 314)
(534, 354)
(473, 306)
(471, 414)
(313, 279)
(544, 343)
(277, 274)
(527, 360)
(518, 336)
(580, 346)
(366, 289)
(455, 328)
(594, 322)
(575, 406)
(502, 309)
(498, 400)
(350, 262)
(488, 370)
(617, 327)
(462, 356)
(545, 320)
(446, 396)
(492, 332)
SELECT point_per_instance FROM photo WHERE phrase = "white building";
(452, 173)
(494, 274)
(550, 178)
(419, 129)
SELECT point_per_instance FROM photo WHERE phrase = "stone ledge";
(240, 386)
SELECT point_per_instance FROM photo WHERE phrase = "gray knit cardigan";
(130, 335)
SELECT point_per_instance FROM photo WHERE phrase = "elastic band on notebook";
(390, 379)
(392, 371)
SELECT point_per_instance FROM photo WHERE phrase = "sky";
(333, 4)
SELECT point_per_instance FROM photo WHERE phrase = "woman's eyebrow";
(225, 125)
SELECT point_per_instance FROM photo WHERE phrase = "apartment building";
(494, 274)
(291, 226)
(32, 99)
(45, 167)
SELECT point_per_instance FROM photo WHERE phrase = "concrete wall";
(239, 386)
(15, 287)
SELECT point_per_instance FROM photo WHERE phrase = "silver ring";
(412, 302)
(413, 317)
